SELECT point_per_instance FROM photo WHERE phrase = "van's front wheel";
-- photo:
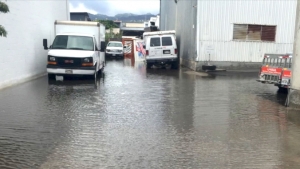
(149, 66)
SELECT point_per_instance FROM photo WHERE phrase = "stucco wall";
(28, 23)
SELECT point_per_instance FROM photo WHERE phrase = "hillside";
(126, 17)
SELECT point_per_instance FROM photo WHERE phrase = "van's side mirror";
(45, 44)
(124, 47)
(102, 46)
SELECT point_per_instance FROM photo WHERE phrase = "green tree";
(109, 24)
(4, 9)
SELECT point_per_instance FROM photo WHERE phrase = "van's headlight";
(51, 58)
(88, 60)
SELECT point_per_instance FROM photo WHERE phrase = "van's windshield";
(73, 42)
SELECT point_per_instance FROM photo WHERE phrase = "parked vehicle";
(276, 69)
(161, 48)
(114, 49)
(77, 49)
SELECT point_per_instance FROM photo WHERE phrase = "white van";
(161, 48)
(77, 49)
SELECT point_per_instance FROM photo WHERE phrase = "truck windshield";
(115, 44)
(73, 42)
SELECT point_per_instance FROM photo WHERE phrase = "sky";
(113, 7)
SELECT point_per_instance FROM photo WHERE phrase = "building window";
(249, 32)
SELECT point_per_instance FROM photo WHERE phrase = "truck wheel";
(100, 72)
(149, 66)
(96, 72)
(282, 89)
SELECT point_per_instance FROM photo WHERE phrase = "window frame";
(160, 43)
(253, 40)
(166, 37)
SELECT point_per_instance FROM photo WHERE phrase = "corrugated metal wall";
(167, 14)
(182, 17)
(217, 17)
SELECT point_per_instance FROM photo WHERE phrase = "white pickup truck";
(78, 49)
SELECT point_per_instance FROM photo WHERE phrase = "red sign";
(271, 70)
(286, 73)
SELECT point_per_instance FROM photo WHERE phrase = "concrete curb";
(16, 82)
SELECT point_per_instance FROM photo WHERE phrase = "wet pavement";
(137, 118)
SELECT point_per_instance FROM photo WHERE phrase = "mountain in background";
(125, 17)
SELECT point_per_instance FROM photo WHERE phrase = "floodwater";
(137, 118)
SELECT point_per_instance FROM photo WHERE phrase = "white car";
(114, 49)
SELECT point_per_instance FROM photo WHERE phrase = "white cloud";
(113, 7)
(133, 6)
(81, 8)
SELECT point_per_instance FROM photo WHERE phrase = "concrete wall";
(28, 23)
(182, 17)
(168, 10)
(79, 16)
(134, 25)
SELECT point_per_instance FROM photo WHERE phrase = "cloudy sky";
(113, 7)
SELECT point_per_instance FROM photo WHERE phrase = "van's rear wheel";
(175, 65)
(51, 76)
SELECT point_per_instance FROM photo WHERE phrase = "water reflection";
(147, 118)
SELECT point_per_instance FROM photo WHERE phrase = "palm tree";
(4, 9)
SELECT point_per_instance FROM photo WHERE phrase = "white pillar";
(295, 82)
(68, 10)
(294, 96)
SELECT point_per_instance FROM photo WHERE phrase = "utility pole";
(294, 94)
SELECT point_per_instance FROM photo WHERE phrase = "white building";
(29, 22)
(154, 20)
(234, 33)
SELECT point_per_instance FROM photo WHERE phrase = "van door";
(97, 54)
(155, 49)
(168, 48)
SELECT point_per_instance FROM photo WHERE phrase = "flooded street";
(137, 118)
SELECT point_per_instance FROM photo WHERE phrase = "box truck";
(78, 48)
